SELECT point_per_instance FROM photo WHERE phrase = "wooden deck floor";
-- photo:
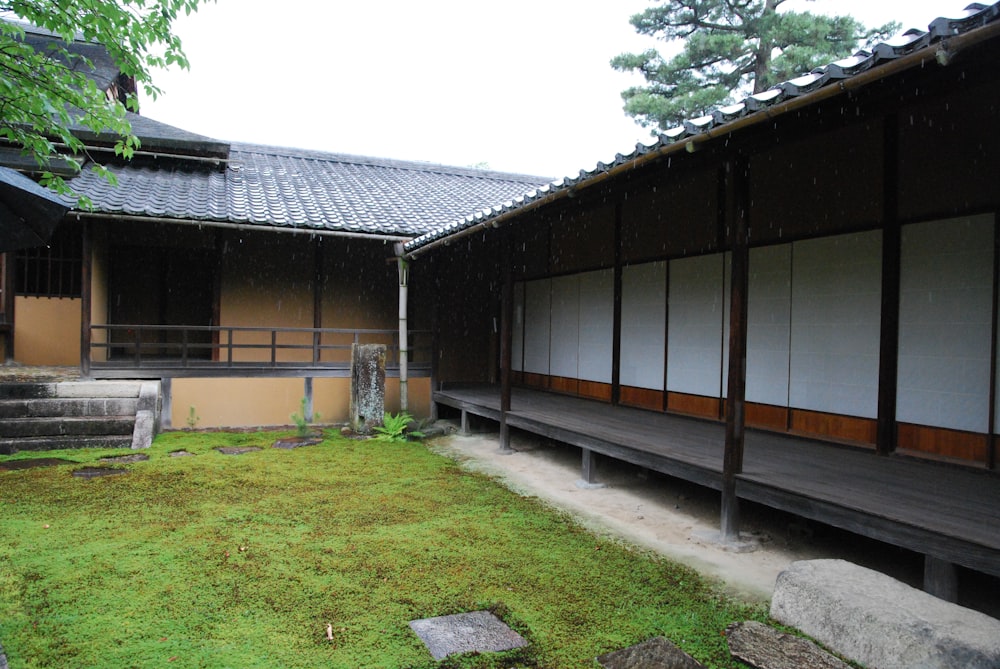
(948, 513)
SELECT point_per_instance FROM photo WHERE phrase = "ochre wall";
(264, 402)
(47, 331)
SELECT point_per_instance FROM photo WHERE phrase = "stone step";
(65, 426)
(11, 446)
(38, 407)
(68, 389)
(19, 391)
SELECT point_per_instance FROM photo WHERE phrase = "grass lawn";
(243, 561)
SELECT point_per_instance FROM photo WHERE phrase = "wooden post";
(991, 437)
(616, 331)
(587, 469)
(506, 341)
(735, 173)
(888, 364)
(86, 299)
(9, 279)
(435, 344)
(318, 263)
(940, 579)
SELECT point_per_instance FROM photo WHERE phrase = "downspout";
(403, 267)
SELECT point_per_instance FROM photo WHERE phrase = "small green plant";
(394, 428)
(301, 423)
(192, 417)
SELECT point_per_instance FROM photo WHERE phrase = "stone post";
(367, 386)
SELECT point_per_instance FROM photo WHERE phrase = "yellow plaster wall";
(265, 402)
(47, 331)
(267, 282)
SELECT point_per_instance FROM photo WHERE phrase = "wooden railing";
(161, 351)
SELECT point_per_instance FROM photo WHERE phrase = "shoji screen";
(644, 307)
(836, 308)
(695, 331)
(537, 308)
(945, 323)
(768, 324)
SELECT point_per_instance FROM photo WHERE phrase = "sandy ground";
(662, 514)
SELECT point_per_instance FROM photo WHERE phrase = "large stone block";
(874, 619)
(367, 387)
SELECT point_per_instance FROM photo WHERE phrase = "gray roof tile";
(281, 187)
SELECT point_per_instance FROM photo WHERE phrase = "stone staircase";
(78, 414)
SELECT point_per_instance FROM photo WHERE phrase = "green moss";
(243, 561)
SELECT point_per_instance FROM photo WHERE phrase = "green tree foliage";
(731, 48)
(46, 94)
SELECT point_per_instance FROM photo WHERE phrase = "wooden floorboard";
(949, 512)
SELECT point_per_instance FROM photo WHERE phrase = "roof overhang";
(698, 134)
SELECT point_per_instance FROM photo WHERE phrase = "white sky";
(521, 85)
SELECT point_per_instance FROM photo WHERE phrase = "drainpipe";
(403, 266)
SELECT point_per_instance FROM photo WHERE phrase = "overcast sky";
(520, 85)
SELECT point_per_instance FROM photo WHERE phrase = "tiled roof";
(974, 15)
(302, 189)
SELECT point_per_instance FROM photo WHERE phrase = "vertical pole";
(888, 364)
(616, 332)
(86, 300)
(9, 279)
(435, 339)
(506, 341)
(991, 438)
(317, 301)
(735, 173)
(404, 276)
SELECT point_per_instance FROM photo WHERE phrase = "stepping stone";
(136, 457)
(237, 450)
(764, 647)
(656, 653)
(179, 454)
(478, 631)
(34, 462)
(289, 443)
(97, 472)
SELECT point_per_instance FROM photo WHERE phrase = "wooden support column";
(506, 341)
(435, 341)
(8, 280)
(86, 300)
(991, 437)
(587, 466)
(737, 205)
(888, 365)
(940, 579)
(616, 331)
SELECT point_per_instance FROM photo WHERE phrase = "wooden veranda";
(949, 514)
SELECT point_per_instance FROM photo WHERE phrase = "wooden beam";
(886, 435)
(737, 211)
(506, 341)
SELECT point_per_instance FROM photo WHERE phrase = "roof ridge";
(396, 163)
